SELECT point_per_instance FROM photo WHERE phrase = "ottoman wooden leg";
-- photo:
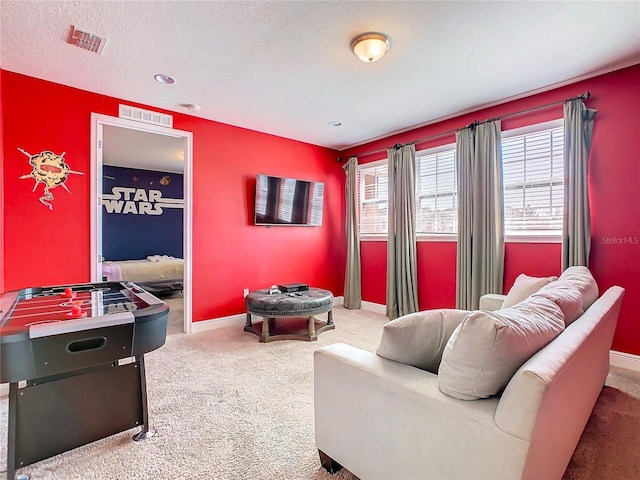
(265, 327)
(312, 327)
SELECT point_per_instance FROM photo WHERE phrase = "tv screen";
(288, 201)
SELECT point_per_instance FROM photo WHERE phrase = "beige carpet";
(228, 407)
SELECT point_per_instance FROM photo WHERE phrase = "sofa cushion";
(487, 348)
(418, 339)
(581, 277)
(566, 295)
(523, 287)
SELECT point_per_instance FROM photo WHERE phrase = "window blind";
(373, 188)
(533, 176)
(436, 192)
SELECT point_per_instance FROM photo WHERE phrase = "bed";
(155, 273)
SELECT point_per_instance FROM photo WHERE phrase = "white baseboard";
(238, 321)
(624, 360)
(375, 307)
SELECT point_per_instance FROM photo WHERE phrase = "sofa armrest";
(491, 301)
(381, 419)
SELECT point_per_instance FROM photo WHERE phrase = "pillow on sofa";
(487, 348)
(524, 287)
(418, 339)
(581, 277)
(566, 295)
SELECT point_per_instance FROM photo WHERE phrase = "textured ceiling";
(285, 67)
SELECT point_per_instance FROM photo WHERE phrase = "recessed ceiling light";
(335, 123)
(162, 78)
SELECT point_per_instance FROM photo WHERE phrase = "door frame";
(98, 121)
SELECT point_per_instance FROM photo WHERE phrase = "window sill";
(532, 238)
(437, 237)
(454, 238)
(373, 238)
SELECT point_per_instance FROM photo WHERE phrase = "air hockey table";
(73, 356)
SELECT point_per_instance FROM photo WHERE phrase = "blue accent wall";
(142, 213)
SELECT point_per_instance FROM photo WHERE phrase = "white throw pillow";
(524, 287)
(418, 339)
(566, 295)
(581, 277)
(487, 348)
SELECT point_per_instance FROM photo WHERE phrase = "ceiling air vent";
(87, 41)
(146, 116)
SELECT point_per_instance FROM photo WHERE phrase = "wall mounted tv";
(288, 201)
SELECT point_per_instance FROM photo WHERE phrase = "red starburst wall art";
(49, 169)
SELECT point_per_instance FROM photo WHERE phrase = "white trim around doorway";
(97, 123)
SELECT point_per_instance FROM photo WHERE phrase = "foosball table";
(73, 356)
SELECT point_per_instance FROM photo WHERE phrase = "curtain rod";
(583, 96)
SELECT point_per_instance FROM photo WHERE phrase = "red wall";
(1, 193)
(48, 247)
(614, 189)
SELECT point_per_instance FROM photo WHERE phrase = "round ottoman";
(306, 303)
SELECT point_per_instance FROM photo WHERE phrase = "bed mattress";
(143, 270)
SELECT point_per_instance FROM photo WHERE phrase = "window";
(436, 191)
(373, 185)
(533, 177)
(533, 180)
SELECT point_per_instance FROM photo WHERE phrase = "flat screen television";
(288, 201)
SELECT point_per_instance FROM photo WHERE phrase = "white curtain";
(576, 236)
(402, 288)
(352, 280)
(464, 165)
(480, 255)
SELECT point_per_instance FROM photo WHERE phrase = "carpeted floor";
(228, 407)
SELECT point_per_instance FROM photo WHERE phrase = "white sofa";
(382, 419)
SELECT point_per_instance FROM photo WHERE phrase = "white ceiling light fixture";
(162, 78)
(370, 46)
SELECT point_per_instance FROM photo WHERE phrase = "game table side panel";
(61, 414)
(68, 397)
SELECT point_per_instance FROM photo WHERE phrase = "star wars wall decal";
(49, 169)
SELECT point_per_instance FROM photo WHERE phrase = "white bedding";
(143, 270)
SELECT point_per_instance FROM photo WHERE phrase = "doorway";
(100, 123)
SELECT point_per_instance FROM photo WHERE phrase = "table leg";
(265, 327)
(146, 432)
(11, 430)
(312, 327)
